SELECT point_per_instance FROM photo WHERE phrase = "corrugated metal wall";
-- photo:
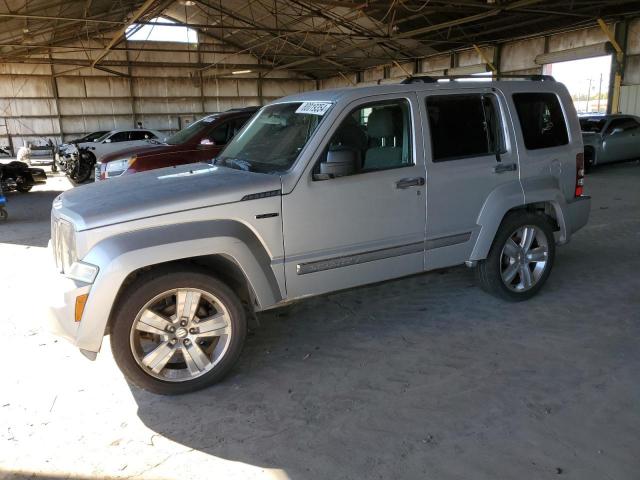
(516, 57)
(41, 101)
(60, 102)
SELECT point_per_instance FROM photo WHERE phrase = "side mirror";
(616, 131)
(339, 163)
(108, 140)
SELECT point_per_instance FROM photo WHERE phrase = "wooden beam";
(120, 33)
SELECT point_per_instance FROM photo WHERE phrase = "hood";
(159, 192)
(141, 151)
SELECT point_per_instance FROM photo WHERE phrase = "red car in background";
(199, 142)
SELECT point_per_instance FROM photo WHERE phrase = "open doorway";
(587, 81)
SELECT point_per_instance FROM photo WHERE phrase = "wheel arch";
(227, 248)
(509, 199)
(218, 265)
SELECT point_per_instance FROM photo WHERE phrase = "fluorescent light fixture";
(240, 72)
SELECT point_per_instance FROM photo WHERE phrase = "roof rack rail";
(434, 79)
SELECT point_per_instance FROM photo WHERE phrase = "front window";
(188, 133)
(273, 140)
(94, 136)
(103, 137)
(591, 124)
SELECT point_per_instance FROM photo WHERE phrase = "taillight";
(579, 174)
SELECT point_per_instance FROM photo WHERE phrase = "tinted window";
(463, 126)
(541, 120)
(140, 135)
(378, 133)
(218, 135)
(623, 123)
(591, 124)
(119, 137)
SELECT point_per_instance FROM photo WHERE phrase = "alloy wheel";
(524, 258)
(181, 334)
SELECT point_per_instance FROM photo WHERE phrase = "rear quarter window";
(541, 119)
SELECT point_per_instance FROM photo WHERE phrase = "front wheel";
(520, 258)
(177, 332)
(84, 168)
(24, 188)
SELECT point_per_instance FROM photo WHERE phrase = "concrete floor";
(425, 377)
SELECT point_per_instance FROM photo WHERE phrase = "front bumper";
(577, 213)
(61, 300)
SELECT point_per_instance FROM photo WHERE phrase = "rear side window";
(541, 120)
(464, 126)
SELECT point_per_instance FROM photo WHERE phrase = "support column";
(56, 97)
(619, 42)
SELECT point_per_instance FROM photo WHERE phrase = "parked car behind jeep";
(610, 138)
(199, 142)
(319, 192)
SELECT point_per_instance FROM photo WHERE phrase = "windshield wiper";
(236, 163)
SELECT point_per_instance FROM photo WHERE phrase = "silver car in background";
(610, 138)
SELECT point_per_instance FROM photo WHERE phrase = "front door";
(367, 225)
(469, 156)
(621, 140)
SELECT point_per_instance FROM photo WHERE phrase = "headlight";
(84, 272)
(64, 244)
(117, 167)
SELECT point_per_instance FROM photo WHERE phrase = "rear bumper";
(577, 213)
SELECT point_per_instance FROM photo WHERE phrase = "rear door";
(470, 154)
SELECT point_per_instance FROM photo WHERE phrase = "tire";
(4, 215)
(177, 365)
(496, 274)
(84, 169)
(24, 188)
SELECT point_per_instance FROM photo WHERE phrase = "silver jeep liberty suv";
(319, 192)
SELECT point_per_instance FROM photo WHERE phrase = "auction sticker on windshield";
(314, 108)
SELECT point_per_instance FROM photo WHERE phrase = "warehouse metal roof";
(316, 38)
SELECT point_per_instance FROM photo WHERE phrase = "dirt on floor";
(425, 377)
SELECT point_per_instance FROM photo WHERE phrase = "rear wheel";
(520, 258)
(24, 188)
(3, 214)
(177, 332)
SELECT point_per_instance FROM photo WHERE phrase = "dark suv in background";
(199, 142)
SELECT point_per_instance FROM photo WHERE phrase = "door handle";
(505, 167)
(410, 182)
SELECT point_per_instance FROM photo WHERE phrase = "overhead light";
(240, 72)
(187, 3)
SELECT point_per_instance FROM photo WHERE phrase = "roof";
(350, 93)
(316, 39)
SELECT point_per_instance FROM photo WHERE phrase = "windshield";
(592, 124)
(272, 141)
(189, 132)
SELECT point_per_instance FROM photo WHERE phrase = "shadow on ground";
(429, 377)
(29, 218)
